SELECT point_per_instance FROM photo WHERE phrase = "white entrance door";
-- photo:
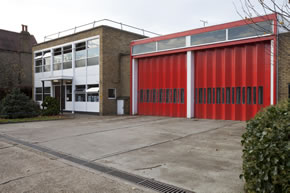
(120, 107)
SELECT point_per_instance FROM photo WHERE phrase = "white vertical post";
(73, 78)
(190, 84)
(272, 73)
(134, 86)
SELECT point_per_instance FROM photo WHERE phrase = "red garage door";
(162, 85)
(232, 83)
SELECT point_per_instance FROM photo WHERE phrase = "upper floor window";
(57, 59)
(80, 54)
(38, 62)
(46, 61)
(93, 47)
(67, 57)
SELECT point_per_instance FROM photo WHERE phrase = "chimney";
(24, 28)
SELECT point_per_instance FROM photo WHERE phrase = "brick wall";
(283, 65)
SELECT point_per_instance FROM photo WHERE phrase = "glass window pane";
(141, 96)
(171, 43)
(249, 94)
(204, 96)
(81, 46)
(80, 63)
(182, 95)
(111, 93)
(57, 66)
(80, 97)
(208, 37)
(93, 97)
(80, 54)
(38, 97)
(143, 48)
(93, 61)
(244, 95)
(238, 95)
(260, 28)
(200, 96)
(174, 95)
(38, 62)
(147, 95)
(260, 93)
(68, 93)
(67, 57)
(93, 43)
(233, 95)
(154, 95)
(223, 96)
(218, 95)
(209, 96)
(67, 65)
(160, 95)
(195, 96)
(254, 95)
(167, 95)
(213, 96)
(228, 95)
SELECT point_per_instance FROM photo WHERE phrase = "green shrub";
(266, 163)
(18, 105)
(50, 106)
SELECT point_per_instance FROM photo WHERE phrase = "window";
(112, 93)
(213, 96)
(223, 96)
(260, 93)
(141, 95)
(154, 95)
(93, 52)
(228, 95)
(233, 95)
(200, 96)
(46, 61)
(147, 95)
(175, 95)
(38, 93)
(160, 95)
(57, 59)
(204, 96)
(182, 95)
(254, 95)
(38, 62)
(260, 28)
(68, 93)
(143, 48)
(244, 95)
(249, 94)
(238, 95)
(67, 57)
(80, 93)
(80, 55)
(218, 96)
(208, 37)
(209, 96)
(195, 96)
(167, 96)
(93, 97)
(171, 43)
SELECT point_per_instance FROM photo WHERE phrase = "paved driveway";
(199, 155)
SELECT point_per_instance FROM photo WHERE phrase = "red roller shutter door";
(232, 83)
(162, 85)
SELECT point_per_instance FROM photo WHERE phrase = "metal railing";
(94, 24)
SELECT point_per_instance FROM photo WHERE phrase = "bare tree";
(261, 8)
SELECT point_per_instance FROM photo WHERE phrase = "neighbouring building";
(228, 71)
(88, 71)
(15, 61)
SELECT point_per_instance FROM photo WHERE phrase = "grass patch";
(40, 118)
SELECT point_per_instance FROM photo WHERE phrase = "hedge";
(266, 150)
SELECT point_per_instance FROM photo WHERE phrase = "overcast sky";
(45, 17)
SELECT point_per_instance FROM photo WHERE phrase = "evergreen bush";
(50, 106)
(266, 151)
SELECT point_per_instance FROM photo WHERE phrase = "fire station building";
(228, 71)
